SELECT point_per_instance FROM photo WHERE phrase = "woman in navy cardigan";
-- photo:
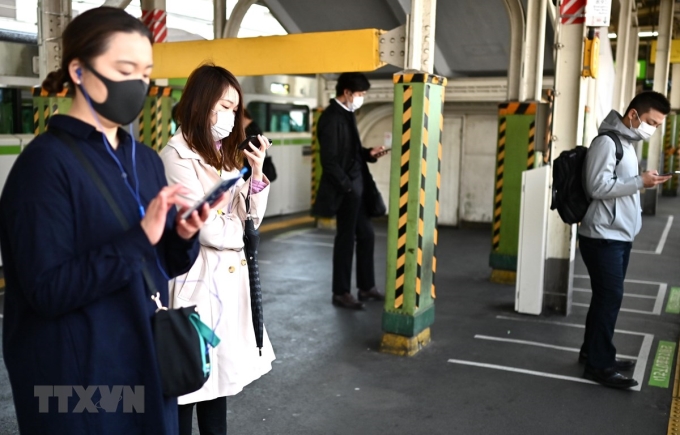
(77, 337)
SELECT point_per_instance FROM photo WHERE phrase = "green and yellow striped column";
(671, 162)
(515, 154)
(316, 157)
(155, 121)
(46, 104)
(414, 209)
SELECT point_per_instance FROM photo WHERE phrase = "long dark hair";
(204, 88)
(87, 37)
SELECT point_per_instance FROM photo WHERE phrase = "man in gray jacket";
(607, 231)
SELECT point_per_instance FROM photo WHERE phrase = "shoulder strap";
(87, 165)
(619, 148)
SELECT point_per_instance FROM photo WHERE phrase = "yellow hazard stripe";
(419, 78)
(498, 197)
(403, 196)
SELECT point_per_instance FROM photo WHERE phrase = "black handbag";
(181, 339)
(373, 200)
(268, 168)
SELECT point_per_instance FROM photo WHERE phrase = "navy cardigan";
(77, 311)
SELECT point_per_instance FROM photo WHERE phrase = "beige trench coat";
(218, 282)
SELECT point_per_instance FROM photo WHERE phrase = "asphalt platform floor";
(488, 370)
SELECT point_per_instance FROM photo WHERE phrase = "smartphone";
(669, 173)
(214, 194)
(252, 141)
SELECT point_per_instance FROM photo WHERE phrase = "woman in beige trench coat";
(203, 150)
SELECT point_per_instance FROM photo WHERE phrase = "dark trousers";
(211, 414)
(353, 224)
(607, 263)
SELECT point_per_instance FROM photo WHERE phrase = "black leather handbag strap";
(99, 183)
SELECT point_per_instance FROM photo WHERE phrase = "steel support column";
(516, 146)
(122, 4)
(624, 32)
(219, 18)
(661, 69)
(414, 190)
(533, 51)
(53, 17)
(236, 18)
(561, 241)
(632, 59)
(154, 17)
(517, 28)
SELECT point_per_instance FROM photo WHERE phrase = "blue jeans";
(607, 263)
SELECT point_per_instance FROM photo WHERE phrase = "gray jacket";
(614, 212)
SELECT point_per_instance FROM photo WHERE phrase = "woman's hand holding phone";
(153, 222)
(256, 156)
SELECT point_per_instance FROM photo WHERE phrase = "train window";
(280, 118)
(16, 111)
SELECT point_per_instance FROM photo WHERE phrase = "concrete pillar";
(633, 48)
(675, 89)
(661, 70)
(53, 17)
(561, 245)
(623, 52)
(414, 190)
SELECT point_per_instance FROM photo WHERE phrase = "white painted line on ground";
(626, 295)
(643, 356)
(662, 241)
(539, 344)
(658, 304)
(304, 243)
(523, 371)
(660, 298)
(632, 281)
(664, 236)
(624, 310)
(571, 325)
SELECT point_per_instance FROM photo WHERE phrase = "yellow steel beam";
(302, 53)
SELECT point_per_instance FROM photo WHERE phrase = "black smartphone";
(669, 173)
(251, 141)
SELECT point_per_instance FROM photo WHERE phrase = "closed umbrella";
(251, 240)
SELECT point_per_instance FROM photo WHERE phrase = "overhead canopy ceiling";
(472, 37)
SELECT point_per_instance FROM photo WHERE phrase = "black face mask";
(124, 100)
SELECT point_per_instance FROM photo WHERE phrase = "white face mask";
(644, 130)
(224, 124)
(356, 103)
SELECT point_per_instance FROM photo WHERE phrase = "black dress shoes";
(346, 300)
(371, 295)
(621, 364)
(609, 378)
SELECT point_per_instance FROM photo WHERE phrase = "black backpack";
(568, 194)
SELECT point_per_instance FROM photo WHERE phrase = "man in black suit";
(343, 160)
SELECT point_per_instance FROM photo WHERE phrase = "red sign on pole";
(573, 11)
